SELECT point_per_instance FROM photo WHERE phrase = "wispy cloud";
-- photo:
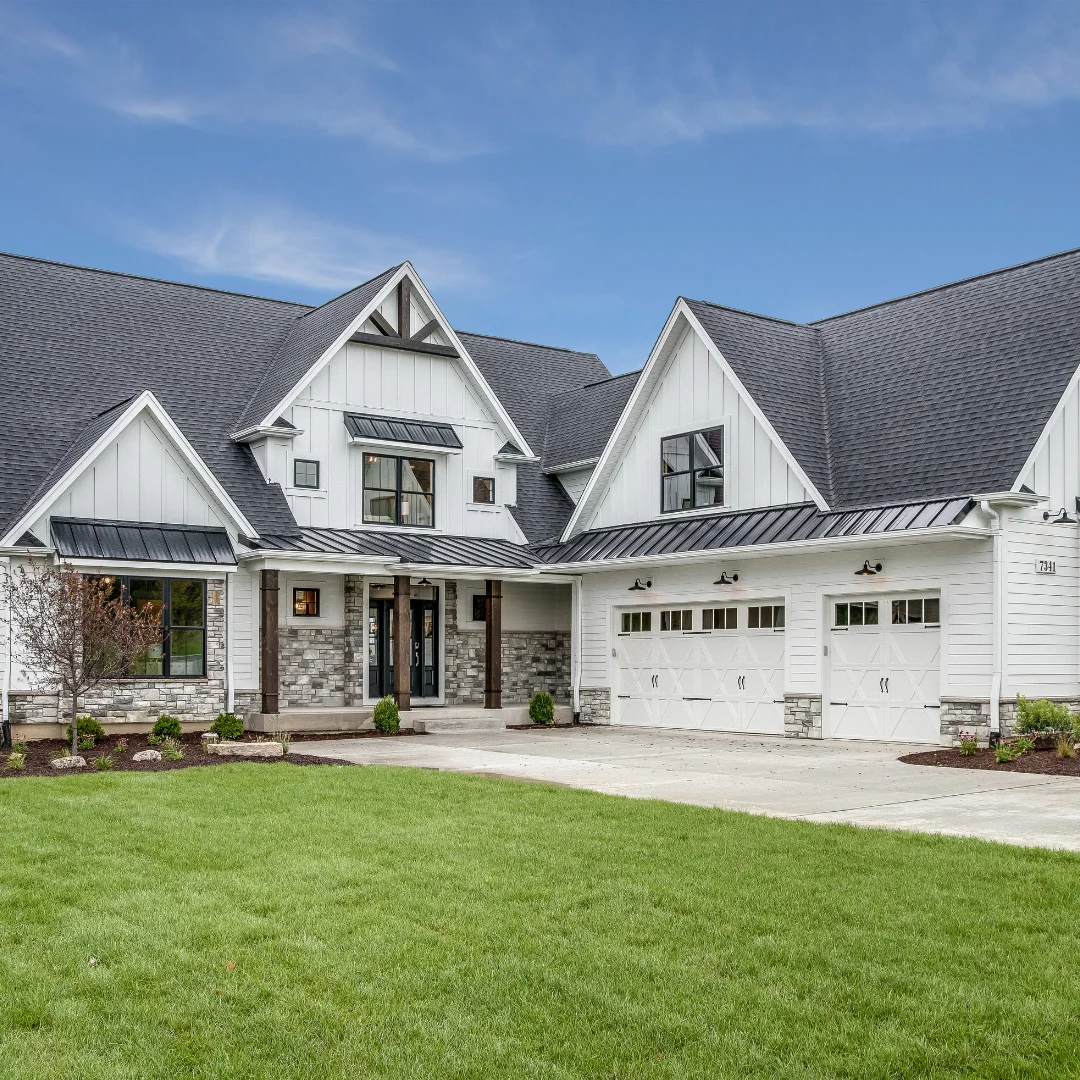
(281, 244)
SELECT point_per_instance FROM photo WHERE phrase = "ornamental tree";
(73, 631)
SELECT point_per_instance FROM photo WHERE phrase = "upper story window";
(398, 490)
(305, 474)
(483, 489)
(692, 470)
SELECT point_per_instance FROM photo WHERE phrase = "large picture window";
(398, 490)
(179, 607)
(692, 470)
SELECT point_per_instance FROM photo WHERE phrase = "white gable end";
(691, 391)
(1053, 468)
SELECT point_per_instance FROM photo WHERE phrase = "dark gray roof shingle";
(582, 420)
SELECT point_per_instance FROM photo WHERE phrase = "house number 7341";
(1046, 566)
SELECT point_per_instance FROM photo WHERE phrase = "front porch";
(428, 719)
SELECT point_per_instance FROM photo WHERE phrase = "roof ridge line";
(744, 311)
(147, 277)
(353, 288)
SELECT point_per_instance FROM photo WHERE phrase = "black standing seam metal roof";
(420, 432)
(746, 528)
(128, 541)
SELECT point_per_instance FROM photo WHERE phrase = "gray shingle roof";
(75, 342)
(582, 420)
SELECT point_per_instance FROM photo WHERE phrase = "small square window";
(305, 474)
(483, 489)
(305, 603)
(479, 608)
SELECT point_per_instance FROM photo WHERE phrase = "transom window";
(924, 610)
(305, 603)
(179, 607)
(398, 490)
(637, 622)
(305, 473)
(861, 613)
(692, 470)
(765, 617)
(483, 489)
(677, 620)
(720, 619)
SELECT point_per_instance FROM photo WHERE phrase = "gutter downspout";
(229, 695)
(575, 643)
(9, 637)
(998, 619)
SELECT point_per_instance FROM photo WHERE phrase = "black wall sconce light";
(866, 570)
(1062, 518)
(723, 579)
(638, 587)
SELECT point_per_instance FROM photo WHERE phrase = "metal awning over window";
(132, 541)
(390, 429)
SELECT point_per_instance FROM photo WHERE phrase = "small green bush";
(386, 715)
(1042, 717)
(121, 746)
(103, 762)
(1064, 746)
(542, 708)
(20, 746)
(87, 742)
(969, 743)
(16, 761)
(171, 749)
(1025, 744)
(228, 726)
(1005, 752)
(89, 728)
(167, 727)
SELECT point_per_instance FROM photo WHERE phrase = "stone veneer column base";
(595, 704)
(802, 716)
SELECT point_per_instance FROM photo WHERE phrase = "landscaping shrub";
(87, 742)
(16, 761)
(386, 715)
(1042, 717)
(969, 743)
(121, 746)
(1005, 752)
(89, 728)
(542, 708)
(1063, 745)
(228, 726)
(1025, 744)
(20, 746)
(167, 727)
(103, 762)
(171, 749)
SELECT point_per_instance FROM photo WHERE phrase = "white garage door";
(712, 668)
(884, 660)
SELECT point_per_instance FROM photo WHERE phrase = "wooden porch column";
(493, 646)
(402, 643)
(268, 640)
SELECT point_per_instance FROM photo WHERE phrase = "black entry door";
(424, 652)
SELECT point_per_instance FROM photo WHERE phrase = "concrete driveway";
(861, 783)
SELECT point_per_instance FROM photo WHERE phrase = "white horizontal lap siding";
(694, 392)
(807, 583)
(137, 477)
(367, 378)
(1043, 623)
(245, 629)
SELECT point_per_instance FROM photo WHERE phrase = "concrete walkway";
(862, 783)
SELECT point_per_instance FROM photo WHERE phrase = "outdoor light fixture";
(868, 570)
(723, 579)
(1062, 518)
(424, 581)
(638, 587)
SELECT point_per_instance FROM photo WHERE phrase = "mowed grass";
(276, 921)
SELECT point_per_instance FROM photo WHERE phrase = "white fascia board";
(1011, 498)
(119, 566)
(572, 466)
(643, 389)
(393, 444)
(495, 572)
(938, 534)
(517, 459)
(405, 270)
(266, 431)
(335, 562)
(145, 401)
(1044, 435)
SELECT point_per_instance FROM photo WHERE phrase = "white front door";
(884, 670)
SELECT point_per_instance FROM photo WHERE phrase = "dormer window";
(692, 470)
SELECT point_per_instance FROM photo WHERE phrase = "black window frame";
(694, 470)
(777, 617)
(720, 618)
(491, 481)
(643, 619)
(307, 614)
(124, 580)
(318, 476)
(479, 607)
(398, 493)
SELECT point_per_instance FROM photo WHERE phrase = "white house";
(863, 527)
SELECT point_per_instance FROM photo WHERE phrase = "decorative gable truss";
(687, 386)
(131, 463)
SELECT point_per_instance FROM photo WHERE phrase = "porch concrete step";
(436, 725)
(330, 721)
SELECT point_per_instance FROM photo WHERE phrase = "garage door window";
(924, 610)
(765, 617)
(857, 614)
(676, 620)
(720, 619)
(637, 622)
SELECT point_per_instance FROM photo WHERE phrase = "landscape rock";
(247, 749)
(209, 737)
(147, 755)
(75, 762)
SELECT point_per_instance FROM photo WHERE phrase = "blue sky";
(556, 172)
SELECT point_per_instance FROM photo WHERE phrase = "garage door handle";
(837, 702)
(881, 685)
(931, 706)
(886, 686)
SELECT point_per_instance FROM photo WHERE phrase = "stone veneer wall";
(311, 667)
(802, 716)
(531, 660)
(595, 704)
(141, 701)
(961, 714)
(355, 640)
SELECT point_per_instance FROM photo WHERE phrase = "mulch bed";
(1038, 761)
(41, 752)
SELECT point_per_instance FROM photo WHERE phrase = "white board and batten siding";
(391, 382)
(694, 392)
(1054, 470)
(574, 481)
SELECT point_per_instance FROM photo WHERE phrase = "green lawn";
(275, 921)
